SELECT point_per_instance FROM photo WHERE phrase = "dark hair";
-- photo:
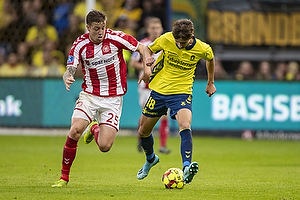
(183, 28)
(95, 16)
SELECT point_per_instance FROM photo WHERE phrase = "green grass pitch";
(230, 168)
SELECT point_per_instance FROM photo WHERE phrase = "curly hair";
(183, 28)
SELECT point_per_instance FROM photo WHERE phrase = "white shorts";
(144, 94)
(106, 109)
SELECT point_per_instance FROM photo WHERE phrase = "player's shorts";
(158, 104)
(106, 109)
(144, 94)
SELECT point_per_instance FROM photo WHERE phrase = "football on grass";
(173, 178)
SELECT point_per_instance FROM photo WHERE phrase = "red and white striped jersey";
(103, 65)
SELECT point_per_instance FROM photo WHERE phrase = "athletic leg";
(109, 115)
(139, 146)
(145, 129)
(69, 152)
(105, 137)
(144, 94)
(184, 117)
(163, 135)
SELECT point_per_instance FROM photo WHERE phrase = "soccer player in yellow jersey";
(171, 81)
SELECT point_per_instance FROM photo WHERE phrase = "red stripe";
(109, 125)
(95, 81)
(90, 50)
(70, 148)
(112, 79)
(84, 113)
(83, 85)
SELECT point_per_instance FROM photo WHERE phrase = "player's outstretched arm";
(210, 87)
(68, 76)
(148, 61)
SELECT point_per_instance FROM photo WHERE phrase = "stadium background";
(241, 33)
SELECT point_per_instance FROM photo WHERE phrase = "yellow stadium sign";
(253, 28)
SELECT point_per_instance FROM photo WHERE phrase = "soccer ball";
(173, 178)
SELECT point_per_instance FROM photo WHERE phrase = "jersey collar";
(192, 45)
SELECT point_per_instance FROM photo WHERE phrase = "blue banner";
(248, 105)
(235, 106)
(21, 102)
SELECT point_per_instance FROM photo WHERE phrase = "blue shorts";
(158, 104)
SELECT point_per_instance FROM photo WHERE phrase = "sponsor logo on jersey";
(104, 61)
(70, 60)
(106, 49)
(90, 51)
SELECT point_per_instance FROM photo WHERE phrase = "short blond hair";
(152, 20)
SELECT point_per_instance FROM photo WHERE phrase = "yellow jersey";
(174, 70)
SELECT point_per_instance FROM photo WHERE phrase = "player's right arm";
(148, 62)
(73, 62)
(68, 76)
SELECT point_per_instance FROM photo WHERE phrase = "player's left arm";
(210, 87)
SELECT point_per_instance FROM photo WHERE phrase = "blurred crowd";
(36, 36)
(252, 71)
(263, 71)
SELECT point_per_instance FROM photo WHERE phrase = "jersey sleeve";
(156, 46)
(131, 43)
(208, 52)
(123, 40)
(74, 55)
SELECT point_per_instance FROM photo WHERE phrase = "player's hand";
(146, 75)
(141, 79)
(147, 70)
(210, 89)
(68, 82)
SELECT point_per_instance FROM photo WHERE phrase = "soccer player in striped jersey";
(171, 82)
(99, 54)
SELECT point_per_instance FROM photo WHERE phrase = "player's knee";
(185, 125)
(75, 133)
(143, 133)
(105, 148)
